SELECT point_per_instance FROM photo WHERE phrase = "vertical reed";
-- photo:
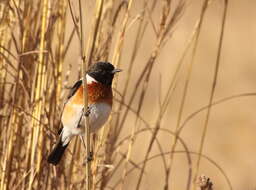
(38, 62)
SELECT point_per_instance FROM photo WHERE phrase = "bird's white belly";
(99, 114)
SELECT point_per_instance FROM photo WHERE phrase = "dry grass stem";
(165, 49)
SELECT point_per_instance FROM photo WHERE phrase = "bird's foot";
(89, 158)
(87, 112)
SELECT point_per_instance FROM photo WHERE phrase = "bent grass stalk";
(216, 71)
(33, 58)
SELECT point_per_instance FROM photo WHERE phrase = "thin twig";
(85, 98)
(216, 71)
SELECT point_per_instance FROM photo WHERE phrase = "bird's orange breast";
(97, 92)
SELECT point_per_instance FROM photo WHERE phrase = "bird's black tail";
(56, 154)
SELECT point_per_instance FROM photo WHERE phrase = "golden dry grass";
(183, 104)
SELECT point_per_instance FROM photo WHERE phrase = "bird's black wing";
(74, 88)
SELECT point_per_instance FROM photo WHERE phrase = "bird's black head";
(103, 72)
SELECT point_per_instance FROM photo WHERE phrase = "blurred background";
(164, 64)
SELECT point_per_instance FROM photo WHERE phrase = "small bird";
(99, 80)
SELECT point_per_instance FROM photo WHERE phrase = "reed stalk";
(38, 65)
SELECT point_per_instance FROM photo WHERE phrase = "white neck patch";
(89, 79)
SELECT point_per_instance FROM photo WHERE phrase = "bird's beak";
(116, 71)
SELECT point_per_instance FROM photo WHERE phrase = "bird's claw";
(88, 111)
(89, 158)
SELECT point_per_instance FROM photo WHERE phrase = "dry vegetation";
(37, 40)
